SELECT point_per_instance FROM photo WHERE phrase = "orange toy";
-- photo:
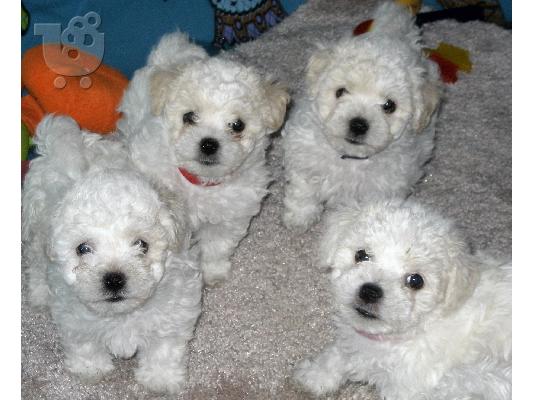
(90, 99)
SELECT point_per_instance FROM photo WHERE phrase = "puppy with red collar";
(200, 125)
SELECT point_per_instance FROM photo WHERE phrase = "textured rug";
(276, 308)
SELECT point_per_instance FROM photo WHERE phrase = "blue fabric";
(132, 27)
(506, 7)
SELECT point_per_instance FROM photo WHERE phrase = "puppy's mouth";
(365, 313)
(367, 149)
(208, 161)
(345, 156)
(115, 299)
(355, 142)
(370, 150)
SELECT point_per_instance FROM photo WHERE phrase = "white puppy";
(199, 125)
(419, 315)
(364, 128)
(105, 254)
(67, 153)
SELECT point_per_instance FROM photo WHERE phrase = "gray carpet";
(276, 308)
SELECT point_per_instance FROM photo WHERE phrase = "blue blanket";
(132, 27)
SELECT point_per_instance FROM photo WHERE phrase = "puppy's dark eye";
(237, 126)
(340, 92)
(361, 255)
(83, 248)
(415, 281)
(142, 245)
(190, 118)
(389, 106)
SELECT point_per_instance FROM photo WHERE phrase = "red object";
(194, 179)
(447, 69)
(362, 27)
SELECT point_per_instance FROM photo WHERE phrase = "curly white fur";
(181, 79)
(67, 153)
(87, 215)
(342, 142)
(449, 339)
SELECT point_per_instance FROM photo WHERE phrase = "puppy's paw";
(89, 369)
(161, 380)
(314, 378)
(215, 272)
(300, 221)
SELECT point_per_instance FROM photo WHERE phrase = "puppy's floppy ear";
(430, 95)
(317, 64)
(160, 82)
(55, 247)
(277, 98)
(464, 275)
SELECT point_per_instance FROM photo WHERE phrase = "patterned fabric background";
(238, 21)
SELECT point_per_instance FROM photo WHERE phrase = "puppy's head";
(395, 267)
(370, 90)
(110, 238)
(217, 112)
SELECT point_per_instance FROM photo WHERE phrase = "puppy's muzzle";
(367, 301)
(113, 283)
(358, 128)
(208, 149)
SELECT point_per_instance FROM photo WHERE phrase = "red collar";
(377, 337)
(195, 179)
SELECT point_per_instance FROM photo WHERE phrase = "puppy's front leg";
(90, 361)
(302, 203)
(324, 374)
(163, 365)
(217, 244)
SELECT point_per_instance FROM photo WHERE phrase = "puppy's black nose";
(209, 146)
(358, 126)
(370, 293)
(114, 281)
